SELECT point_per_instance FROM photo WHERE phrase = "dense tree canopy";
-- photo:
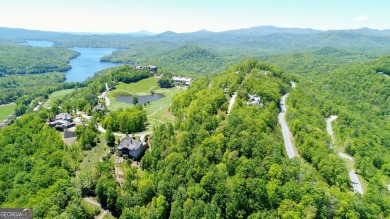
(127, 121)
(18, 59)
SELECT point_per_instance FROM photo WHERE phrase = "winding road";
(287, 137)
(141, 135)
(285, 130)
(357, 186)
(232, 101)
(91, 201)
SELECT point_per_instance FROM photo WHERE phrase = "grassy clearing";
(93, 156)
(56, 96)
(157, 111)
(6, 110)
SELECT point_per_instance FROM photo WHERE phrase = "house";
(69, 133)
(131, 147)
(182, 80)
(64, 116)
(62, 121)
(254, 100)
(152, 68)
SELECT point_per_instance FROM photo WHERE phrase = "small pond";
(141, 99)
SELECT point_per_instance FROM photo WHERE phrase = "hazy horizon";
(156, 33)
(121, 16)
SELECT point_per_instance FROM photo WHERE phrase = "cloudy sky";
(191, 15)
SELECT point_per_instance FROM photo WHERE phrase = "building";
(131, 147)
(69, 133)
(152, 68)
(64, 116)
(182, 80)
(254, 100)
(62, 121)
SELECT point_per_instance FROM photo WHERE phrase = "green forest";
(223, 156)
(18, 59)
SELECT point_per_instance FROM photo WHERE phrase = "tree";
(135, 100)
(166, 82)
(110, 138)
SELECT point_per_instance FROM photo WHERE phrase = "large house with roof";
(131, 147)
(62, 121)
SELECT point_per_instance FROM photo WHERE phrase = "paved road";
(329, 127)
(88, 199)
(345, 156)
(285, 129)
(105, 96)
(293, 84)
(102, 130)
(141, 135)
(232, 101)
(357, 186)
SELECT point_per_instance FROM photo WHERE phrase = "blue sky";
(188, 16)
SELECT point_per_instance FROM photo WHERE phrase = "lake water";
(86, 64)
(141, 99)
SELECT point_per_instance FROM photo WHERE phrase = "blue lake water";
(141, 99)
(86, 64)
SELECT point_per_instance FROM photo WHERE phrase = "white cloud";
(361, 18)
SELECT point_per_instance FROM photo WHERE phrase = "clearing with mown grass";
(6, 110)
(158, 110)
(56, 96)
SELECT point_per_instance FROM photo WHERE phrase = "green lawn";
(93, 156)
(157, 111)
(7, 110)
(56, 96)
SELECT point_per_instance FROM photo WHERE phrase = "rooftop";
(130, 143)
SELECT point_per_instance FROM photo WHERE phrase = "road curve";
(285, 129)
(88, 199)
(232, 101)
(357, 186)
(329, 127)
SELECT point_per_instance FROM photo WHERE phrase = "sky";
(124, 16)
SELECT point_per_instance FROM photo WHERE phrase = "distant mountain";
(142, 33)
(267, 30)
(247, 41)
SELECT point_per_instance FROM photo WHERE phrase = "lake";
(141, 99)
(86, 64)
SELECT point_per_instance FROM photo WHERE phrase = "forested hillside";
(213, 161)
(213, 165)
(359, 96)
(36, 169)
(182, 60)
(17, 59)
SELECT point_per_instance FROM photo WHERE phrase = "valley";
(265, 128)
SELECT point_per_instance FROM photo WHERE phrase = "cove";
(83, 66)
(88, 63)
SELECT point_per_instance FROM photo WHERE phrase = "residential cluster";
(152, 68)
(182, 80)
